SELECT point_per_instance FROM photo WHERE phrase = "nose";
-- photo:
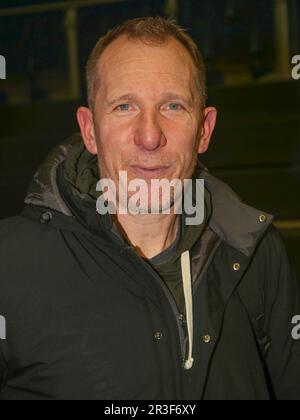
(149, 135)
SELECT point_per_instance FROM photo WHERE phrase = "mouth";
(149, 171)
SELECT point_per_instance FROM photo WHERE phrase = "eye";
(123, 107)
(175, 107)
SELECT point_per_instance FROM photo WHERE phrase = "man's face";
(147, 117)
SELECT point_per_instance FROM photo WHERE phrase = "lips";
(146, 170)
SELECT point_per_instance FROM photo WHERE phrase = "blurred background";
(248, 46)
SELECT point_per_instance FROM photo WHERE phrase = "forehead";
(126, 61)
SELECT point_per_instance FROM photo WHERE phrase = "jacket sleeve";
(282, 297)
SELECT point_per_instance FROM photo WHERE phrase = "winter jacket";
(87, 318)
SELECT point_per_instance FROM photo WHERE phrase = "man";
(143, 306)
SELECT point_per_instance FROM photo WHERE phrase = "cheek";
(111, 136)
(182, 139)
(113, 149)
(183, 129)
(183, 143)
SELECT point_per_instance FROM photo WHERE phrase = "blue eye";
(175, 107)
(123, 107)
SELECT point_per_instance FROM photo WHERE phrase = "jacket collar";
(239, 225)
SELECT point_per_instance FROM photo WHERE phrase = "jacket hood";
(239, 225)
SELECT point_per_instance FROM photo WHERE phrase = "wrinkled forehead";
(126, 59)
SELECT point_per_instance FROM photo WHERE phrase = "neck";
(149, 234)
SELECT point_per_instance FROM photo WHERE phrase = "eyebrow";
(169, 96)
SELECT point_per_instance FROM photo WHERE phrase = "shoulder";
(271, 270)
(26, 249)
(20, 233)
(271, 250)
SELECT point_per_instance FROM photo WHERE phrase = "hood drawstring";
(188, 296)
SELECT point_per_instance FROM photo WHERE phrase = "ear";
(208, 125)
(86, 124)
